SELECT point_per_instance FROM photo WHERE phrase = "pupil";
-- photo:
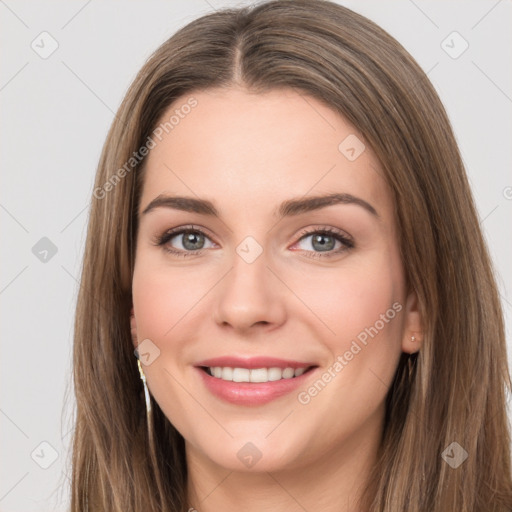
(323, 246)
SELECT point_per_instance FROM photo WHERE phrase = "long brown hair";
(453, 390)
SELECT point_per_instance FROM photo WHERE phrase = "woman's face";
(303, 298)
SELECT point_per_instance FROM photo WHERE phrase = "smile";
(256, 375)
(252, 381)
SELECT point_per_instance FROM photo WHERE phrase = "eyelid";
(169, 233)
(326, 230)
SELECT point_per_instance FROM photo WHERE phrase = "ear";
(412, 338)
(133, 328)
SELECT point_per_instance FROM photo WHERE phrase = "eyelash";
(161, 240)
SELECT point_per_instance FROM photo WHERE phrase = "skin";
(247, 153)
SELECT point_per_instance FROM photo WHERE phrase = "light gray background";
(55, 116)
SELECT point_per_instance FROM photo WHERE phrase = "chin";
(246, 456)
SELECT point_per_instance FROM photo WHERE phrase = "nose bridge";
(249, 293)
(248, 279)
(250, 263)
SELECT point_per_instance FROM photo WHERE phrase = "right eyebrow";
(186, 204)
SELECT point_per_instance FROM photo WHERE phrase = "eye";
(184, 241)
(322, 242)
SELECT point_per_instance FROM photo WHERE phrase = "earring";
(149, 417)
(146, 392)
(413, 339)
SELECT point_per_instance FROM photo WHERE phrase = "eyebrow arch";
(288, 208)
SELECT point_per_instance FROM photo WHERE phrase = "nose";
(250, 295)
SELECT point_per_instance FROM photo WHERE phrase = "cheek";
(362, 300)
(354, 298)
(161, 297)
(359, 321)
(363, 307)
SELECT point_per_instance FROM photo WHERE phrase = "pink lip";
(251, 393)
(253, 362)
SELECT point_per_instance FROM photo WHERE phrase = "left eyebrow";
(308, 204)
(288, 208)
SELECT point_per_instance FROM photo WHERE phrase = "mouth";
(252, 381)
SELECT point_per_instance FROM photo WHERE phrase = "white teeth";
(241, 375)
(288, 373)
(227, 373)
(275, 374)
(254, 375)
(259, 375)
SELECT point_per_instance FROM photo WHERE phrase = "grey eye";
(190, 240)
(319, 242)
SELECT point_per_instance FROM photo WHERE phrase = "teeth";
(254, 375)
(259, 375)
(288, 373)
(241, 375)
(227, 373)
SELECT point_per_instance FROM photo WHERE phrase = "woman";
(283, 230)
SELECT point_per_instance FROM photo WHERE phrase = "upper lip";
(252, 362)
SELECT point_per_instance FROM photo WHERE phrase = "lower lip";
(251, 393)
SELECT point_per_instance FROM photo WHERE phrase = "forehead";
(241, 149)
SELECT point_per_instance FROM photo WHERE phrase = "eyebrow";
(287, 208)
